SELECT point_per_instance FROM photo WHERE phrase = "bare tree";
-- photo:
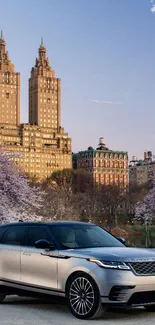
(62, 193)
(110, 199)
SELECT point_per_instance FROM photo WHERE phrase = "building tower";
(9, 88)
(44, 93)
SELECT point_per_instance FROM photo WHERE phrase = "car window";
(84, 236)
(36, 233)
(14, 236)
(2, 230)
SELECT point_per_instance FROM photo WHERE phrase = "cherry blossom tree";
(18, 198)
(145, 209)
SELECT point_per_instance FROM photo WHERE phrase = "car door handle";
(27, 253)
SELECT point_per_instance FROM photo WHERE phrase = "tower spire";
(42, 43)
(2, 42)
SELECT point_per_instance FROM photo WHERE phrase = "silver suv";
(79, 261)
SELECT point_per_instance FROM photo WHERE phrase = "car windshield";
(84, 236)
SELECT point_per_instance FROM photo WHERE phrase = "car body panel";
(10, 262)
(39, 268)
(125, 254)
(106, 279)
(66, 267)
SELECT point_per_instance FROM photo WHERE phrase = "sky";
(104, 53)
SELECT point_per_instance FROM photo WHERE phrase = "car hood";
(126, 254)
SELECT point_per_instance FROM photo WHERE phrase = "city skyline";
(105, 60)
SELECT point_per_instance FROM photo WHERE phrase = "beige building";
(141, 171)
(44, 94)
(42, 144)
(9, 88)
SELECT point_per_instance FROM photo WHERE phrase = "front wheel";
(150, 308)
(2, 297)
(83, 297)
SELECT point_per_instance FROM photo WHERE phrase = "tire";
(83, 297)
(2, 297)
(150, 308)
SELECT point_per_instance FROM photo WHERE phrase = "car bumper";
(124, 287)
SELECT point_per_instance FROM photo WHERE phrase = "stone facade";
(42, 144)
(9, 88)
(44, 94)
(107, 166)
(141, 173)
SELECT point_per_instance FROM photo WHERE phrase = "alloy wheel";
(81, 296)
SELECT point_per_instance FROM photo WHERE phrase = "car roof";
(54, 223)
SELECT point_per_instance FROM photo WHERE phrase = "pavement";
(27, 311)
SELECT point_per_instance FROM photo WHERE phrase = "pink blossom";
(16, 195)
(146, 209)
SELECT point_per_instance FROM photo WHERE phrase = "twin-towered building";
(42, 144)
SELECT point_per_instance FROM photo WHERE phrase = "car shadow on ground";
(60, 305)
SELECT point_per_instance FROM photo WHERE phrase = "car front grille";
(143, 268)
(142, 298)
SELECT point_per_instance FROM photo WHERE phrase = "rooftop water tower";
(101, 141)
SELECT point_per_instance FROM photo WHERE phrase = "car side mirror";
(122, 240)
(43, 243)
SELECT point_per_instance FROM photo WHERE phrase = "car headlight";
(110, 264)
